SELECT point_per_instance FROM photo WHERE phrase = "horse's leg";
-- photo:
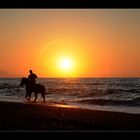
(26, 96)
(29, 97)
(43, 93)
(35, 97)
(43, 96)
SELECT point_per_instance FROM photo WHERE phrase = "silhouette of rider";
(32, 77)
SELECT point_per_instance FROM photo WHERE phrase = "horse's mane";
(24, 78)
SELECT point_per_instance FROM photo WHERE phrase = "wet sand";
(34, 117)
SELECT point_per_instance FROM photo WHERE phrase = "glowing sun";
(65, 64)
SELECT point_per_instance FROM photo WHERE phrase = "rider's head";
(31, 71)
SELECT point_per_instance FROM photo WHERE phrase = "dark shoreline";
(34, 117)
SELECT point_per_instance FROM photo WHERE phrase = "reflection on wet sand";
(64, 106)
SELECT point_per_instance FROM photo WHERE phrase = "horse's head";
(24, 81)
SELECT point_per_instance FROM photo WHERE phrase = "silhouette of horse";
(36, 88)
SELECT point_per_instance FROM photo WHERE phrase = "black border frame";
(69, 4)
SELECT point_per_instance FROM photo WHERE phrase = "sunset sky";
(70, 42)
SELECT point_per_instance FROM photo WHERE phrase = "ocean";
(110, 94)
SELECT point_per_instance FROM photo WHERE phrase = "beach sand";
(35, 117)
